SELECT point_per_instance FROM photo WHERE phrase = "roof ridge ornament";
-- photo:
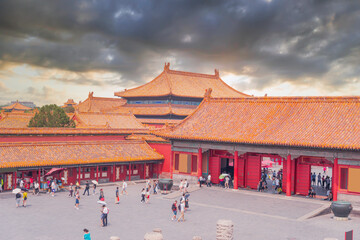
(207, 94)
(217, 74)
(91, 95)
(167, 66)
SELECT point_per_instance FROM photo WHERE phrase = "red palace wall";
(165, 150)
(57, 138)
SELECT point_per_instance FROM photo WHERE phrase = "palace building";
(237, 134)
(172, 96)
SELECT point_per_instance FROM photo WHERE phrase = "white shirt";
(36, 185)
(209, 177)
(124, 185)
(105, 210)
(182, 206)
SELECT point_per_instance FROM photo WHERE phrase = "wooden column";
(335, 179)
(129, 171)
(39, 172)
(199, 163)
(79, 177)
(171, 164)
(97, 173)
(288, 175)
(236, 169)
(114, 173)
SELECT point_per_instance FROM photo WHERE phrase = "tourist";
(71, 190)
(117, 197)
(323, 181)
(260, 186)
(101, 197)
(94, 189)
(313, 179)
(208, 183)
(87, 187)
(21, 183)
(273, 185)
(17, 199)
(77, 186)
(32, 185)
(181, 185)
(201, 180)
(155, 186)
(327, 180)
(37, 187)
(319, 179)
(312, 193)
(174, 210)
(277, 183)
(227, 179)
(147, 195)
(182, 211)
(104, 214)
(53, 187)
(186, 185)
(25, 194)
(77, 200)
(143, 192)
(124, 186)
(329, 196)
(1, 184)
(86, 234)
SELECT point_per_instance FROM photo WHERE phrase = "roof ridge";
(55, 143)
(291, 99)
(192, 74)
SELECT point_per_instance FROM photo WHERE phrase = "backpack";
(179, 207)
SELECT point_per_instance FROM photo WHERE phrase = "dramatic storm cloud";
(54, 50)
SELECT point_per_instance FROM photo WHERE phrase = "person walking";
(208, 183)
(117, 197)
(77, 201)
(37, 187)
(17, 199)
(174, 210)
(143, 192)
(147, 195)
(1, 184)
(87, 187)
(319, 179)
(101, 197)
(182, 211)
(86, 234)
(104, 215)
(227, 180)
(155, 186)
(53, 187)
(124, 186)
(94, 189)
(186, 185)
(71, 190)
(25, 196)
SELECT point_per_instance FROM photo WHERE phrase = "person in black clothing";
(174, 209)
(87, 187)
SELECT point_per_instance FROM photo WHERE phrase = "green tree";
(51, 116)
(69, 109)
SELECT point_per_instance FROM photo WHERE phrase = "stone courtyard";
(255, 216)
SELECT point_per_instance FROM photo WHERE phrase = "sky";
(51, 51)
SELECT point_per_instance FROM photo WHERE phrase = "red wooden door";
(302, 179)
(253, 171)
(214, 169)
(241, 172)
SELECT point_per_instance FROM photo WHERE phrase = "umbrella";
(222, 176)
(266, 163)
(94, 182)
(16, 190)
(24, 189)
(101, 202)
(54, 170)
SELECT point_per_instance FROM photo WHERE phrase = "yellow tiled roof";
(15, 119)
(107, 120)
(69, 131)
(17, 106)
(70, 153)
(319, 122)
(146, 137)
(183, 84)
(99, 104)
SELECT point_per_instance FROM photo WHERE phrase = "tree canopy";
(51, 116)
